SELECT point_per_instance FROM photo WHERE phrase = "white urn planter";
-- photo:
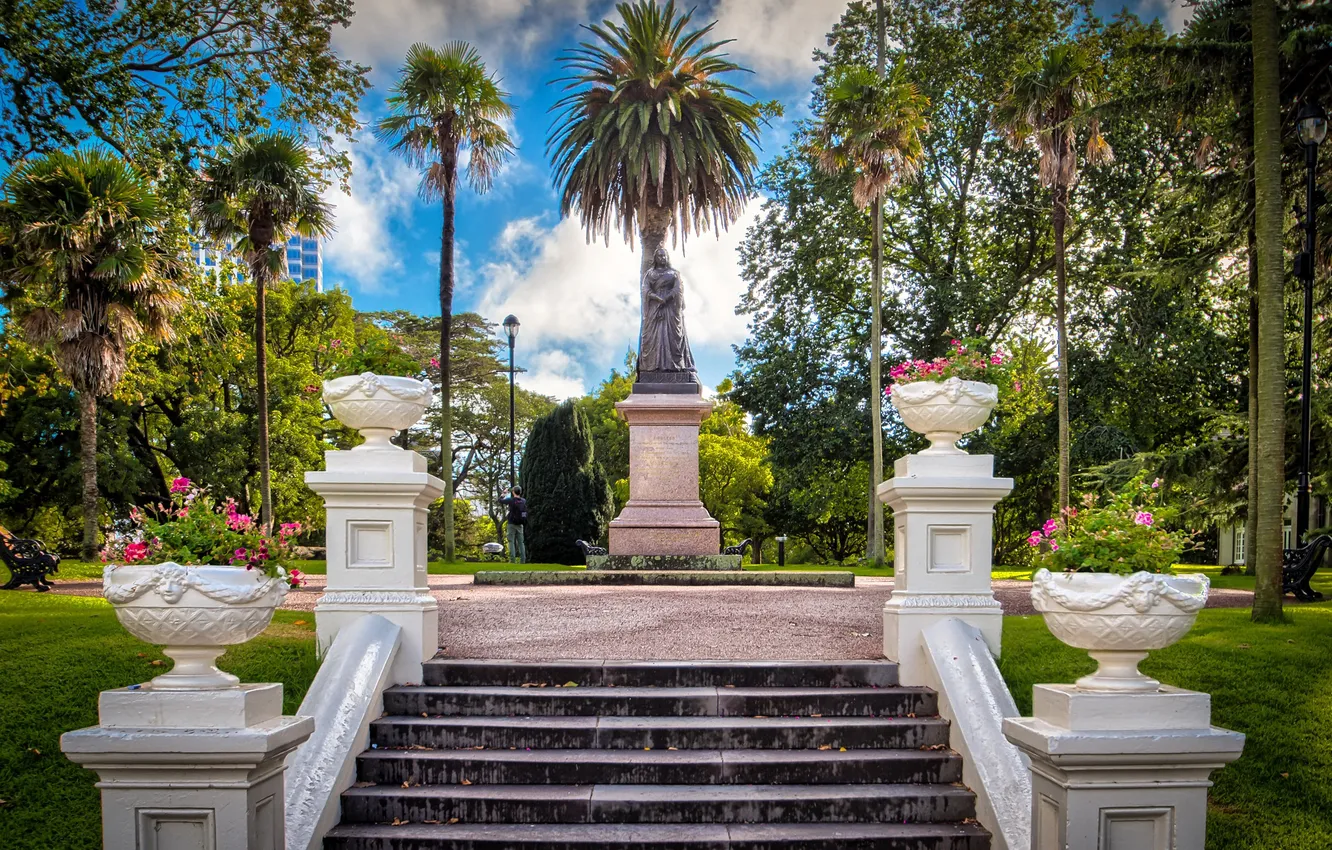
(194, 613)
(944, 410)
(379, 406)
(1118, 619)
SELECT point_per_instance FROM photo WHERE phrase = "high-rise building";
(305, 260)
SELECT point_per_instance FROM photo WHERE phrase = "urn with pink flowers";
(947, 397)
(196, 577)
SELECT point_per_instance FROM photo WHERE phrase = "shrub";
(1124, 535)
(568, 497)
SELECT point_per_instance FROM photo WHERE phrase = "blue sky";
(578, 303)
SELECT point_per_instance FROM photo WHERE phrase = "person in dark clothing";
(516, 522)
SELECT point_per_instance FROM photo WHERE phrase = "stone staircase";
(663, 755)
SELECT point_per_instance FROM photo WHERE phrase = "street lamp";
(781, 550)
(1311, 126)
(511, 325)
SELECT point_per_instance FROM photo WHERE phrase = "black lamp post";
(1311, 124)
(511, 326)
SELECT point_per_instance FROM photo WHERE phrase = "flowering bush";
(1122, 536)
(193, 529)
(966, 360)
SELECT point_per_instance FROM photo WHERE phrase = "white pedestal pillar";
(664, 515)
(377, 502)
(943, 514)
(189, 770)
(1112, 771)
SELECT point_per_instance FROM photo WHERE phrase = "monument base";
(664, 515)
(660, 563)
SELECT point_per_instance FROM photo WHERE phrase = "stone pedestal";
(188, 770)
(943, 514)
(377, 502)
(1112, 771)
(664, 515)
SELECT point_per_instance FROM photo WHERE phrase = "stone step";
(657, 767)
(668, 577)
(658, 701)
(693, 733)
(884, 836)
(669, 674)
(673, 804)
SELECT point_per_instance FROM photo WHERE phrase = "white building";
(1230, 546)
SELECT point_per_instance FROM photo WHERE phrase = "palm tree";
(85, 269)
(256, 192)
(443, 103)
(1049, 100)
(873, 124)
(1271, 359)
(648, 136)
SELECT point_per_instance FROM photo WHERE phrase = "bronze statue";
(663, 347)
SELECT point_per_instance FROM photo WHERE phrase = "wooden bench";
(1299, 565)
(28, 562)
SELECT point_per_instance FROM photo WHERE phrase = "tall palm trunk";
(1060, 192)
(88, 466)
(448, 146)
(652, 227)
(876, 534)
(261, 241)
(1268, 222)
(1251, 514)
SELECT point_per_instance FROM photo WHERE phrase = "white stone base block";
(906, 616)
(1121, 771)
(415, 613)
(173, 783)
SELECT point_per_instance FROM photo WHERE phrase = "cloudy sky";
(578, 303)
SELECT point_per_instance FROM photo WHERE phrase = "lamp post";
(511, 326)
(781, 550)
(1311, 125)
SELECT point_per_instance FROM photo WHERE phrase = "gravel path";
(662, 623)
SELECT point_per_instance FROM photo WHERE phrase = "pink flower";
(1050, 527)
(337, 343)
(1156, 485)
(1054, 547)
(434, 362)
(137, 551)
(180, 485)
(310, 389)
(1143, 518)
(996, 359)
(1034, 539)
(1017, 387)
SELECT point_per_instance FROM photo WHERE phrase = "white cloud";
(383, 189)
(579, 303)
(507, 32)
(1175, 14)
(777, 38)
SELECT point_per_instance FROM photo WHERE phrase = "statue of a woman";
(663, 349)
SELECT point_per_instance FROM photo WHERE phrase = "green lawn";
(56, 654)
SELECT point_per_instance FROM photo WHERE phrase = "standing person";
(516, 522)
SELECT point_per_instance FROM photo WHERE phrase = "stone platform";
(667, 577)
(658, 563)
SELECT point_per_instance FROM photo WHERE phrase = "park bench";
(28, 562)
(1299, 565)
(739, 548)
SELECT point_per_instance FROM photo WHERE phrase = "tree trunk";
(88, 464)
(1251, 513)
(448, 146)
(876, 393)
(261, 398)
(1268, 220)
(652, 227)
(1061, 335)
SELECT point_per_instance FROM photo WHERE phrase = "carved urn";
(194, 613)
(1118, 619)
(944, 410)
(379, 406)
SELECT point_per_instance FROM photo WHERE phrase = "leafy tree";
(610, 431)
(735, 479)
(443, 103)
(650, 137)
(872, 124)
(1048, 100)
(85, 271)
(568, 498)
(160, 80)
(258, 191)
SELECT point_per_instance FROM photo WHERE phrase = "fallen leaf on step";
(826, 747)
(397, 822)
(570, 684)
(816, 715)
(423, 714)
(673, 748)
(841, 749)
(405, 785)
(451, 821)
(466, 782)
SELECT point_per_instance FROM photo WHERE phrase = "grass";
(56, 654)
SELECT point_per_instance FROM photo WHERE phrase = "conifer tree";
(568, 497)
